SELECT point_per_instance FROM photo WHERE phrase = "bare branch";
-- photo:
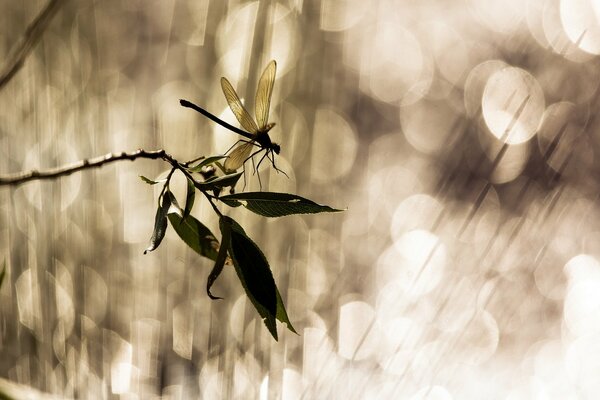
(96, 162)
(34, 32)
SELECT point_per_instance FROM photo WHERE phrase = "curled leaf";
(207, 161)
(221, 258)
(189, 198)
(150, 181)
(160, 223)
(3, 273)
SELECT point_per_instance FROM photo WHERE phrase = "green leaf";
(189, 198)
(3, 273)
(160, 223)
(197, 236)
(221, 182)
(205, 162)
(221, 258)
(254, 273)
(150, 181)
(271, 204)
(282, 313)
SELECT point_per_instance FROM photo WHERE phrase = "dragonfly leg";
(244, 175)
(261, 159)
(272, 159)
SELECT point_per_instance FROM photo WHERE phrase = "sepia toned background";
(461, 136)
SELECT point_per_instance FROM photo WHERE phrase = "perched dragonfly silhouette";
(256, 133)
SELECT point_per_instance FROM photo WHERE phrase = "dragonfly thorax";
(263, 138)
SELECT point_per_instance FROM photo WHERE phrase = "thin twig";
(21, 50)
(53, 173)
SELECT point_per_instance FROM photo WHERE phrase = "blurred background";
(460, 135)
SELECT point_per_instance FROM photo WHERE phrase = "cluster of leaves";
(235, 247)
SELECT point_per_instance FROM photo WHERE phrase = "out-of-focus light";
(582, 303)
(417, 261)
(479, 340)
(419, 211)
(401, 337)
(358, 335)
(320, 361)
(556, 36)
(580, 20)
(95, 295)
(198, 10)
(334, 147)
(512, 105)
(235, 34)
(451, 52)
(432, 393)
(504, 164)
(293, 385)
(503, 17)
(183, 330)
(475, 84)
(293, 130)
(49, 154)
(391, 61)
(120, 368)
(210, 380)
(339, 15)
(551, 370)
(28, 301)
(562, 140)
(431, 127)
(583, 364)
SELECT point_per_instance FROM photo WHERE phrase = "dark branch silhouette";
(96, 162)
(18, 54)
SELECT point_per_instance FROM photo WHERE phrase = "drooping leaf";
(221, 182)
(160, 223)
(282, 313)
(254, 273)
(189, 198)
(271, 204)
(207, 161)
(150, 181)
(221, 258)
(195, 234)
(3, 273)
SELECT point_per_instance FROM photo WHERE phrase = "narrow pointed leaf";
(207, 161)
(3, 273)
(150, 181)
(189, 198)
(271, 204)
(195, 234)
(282, 313)
(221, 182)
(221, 258)
(254, 273)
(160, 223)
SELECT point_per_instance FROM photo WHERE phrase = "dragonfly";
(256, 133)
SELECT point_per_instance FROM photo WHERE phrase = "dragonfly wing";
(238, 156)
(237, 107)
(263, 94)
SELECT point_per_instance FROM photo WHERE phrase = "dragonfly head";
(276, 148)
